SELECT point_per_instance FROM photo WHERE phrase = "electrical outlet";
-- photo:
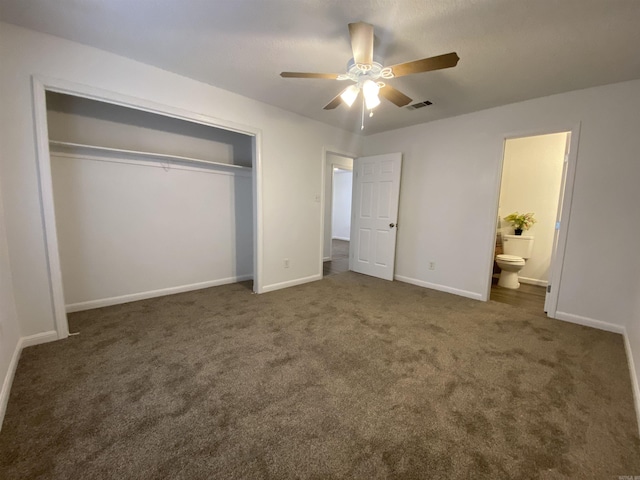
(432, 265)
(286, 263)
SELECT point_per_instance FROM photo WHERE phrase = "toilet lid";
(509, 258)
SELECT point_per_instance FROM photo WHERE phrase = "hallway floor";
(339, 262)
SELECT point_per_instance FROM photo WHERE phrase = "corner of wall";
(23, 342)
(635, 380)
(8, 380)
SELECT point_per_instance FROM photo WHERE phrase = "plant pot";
(518, 231)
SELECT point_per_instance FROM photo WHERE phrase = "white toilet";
(517, 249)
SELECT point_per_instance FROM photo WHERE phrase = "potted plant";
(520, 221)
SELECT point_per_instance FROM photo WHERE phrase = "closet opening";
(139, 204)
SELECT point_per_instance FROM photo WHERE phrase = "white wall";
(450, 181)
(292, 156)
(9, 328)
(332, 160)
(342, 183)
(531, 179)
(132, 229)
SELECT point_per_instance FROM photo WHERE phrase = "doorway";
(337, 225)
(533, 180)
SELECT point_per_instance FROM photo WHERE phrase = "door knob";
(391, 225)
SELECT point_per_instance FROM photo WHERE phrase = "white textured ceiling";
(510, 50)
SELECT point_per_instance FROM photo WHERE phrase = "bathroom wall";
(342, 183)
(531, 182)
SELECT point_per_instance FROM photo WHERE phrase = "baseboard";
(8, 380)
(635, 387)
(290, 283)
(22, 343)
(38, 338)
(436, 286)
(533, 281)
(346, 239)
(590, 322)
(106, 302)
(326, 259)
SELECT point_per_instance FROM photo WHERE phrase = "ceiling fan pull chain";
(362, 123)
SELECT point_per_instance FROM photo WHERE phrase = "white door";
(550, 300)
(376, 189)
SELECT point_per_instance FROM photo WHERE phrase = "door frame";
(41, 85)
(567, 198)
(326, 202)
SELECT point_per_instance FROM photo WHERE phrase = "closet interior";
(146, 204)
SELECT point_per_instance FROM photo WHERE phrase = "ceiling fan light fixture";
(350, 94)
(370, 91)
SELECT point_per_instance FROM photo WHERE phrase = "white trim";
(8, 380)
(292, 283)
(48, 212)
(133, 297)
(533, 281)
(635, 387)
(40, 85)
(589, 322)
(38, 338)
(341, 238)
(436, 286)
(258, 248)
(326, 259)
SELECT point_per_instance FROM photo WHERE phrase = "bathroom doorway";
(534, 174)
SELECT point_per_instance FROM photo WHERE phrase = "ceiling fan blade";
(335, 102)
(394, 96)
(329, 76)
(362, 42)
(426, 64)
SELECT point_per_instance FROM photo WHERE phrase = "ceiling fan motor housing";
(360, 73)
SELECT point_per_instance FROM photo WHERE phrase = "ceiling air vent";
(418, 105)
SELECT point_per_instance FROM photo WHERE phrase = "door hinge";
(549, 288)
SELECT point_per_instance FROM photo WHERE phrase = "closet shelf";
(75, 147)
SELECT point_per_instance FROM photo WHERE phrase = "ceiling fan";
(366, 73)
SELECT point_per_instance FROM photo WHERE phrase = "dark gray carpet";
(350, 377)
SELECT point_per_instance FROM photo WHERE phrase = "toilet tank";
(518, 245)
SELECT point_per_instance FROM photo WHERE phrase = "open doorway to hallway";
(337, 224)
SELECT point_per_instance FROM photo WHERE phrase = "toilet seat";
(510, 259)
